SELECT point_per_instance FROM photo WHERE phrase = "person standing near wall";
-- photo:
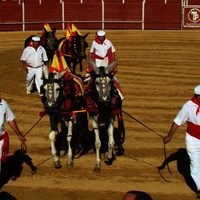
(33, 59)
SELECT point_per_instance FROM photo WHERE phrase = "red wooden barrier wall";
(158, 14)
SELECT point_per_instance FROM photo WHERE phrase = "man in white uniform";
(102, 51)
(33, 58)
(6, 115)
(190, 114)
(102, 48)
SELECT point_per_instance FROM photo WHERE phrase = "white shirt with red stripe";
(6, 114)
(102, 49)
(190, 114)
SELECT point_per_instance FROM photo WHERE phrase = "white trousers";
(193, 149)
(34, 76)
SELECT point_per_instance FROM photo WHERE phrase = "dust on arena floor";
(157, 71)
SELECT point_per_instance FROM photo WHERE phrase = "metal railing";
(102, 20)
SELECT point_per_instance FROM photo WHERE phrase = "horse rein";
(164, 147)
(23, 144)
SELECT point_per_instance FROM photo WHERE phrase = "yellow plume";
(47, 27)
(74, 29)
(69, 31)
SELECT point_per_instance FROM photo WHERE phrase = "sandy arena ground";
(157, 71)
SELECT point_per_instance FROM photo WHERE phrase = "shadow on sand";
(183, 166)
(6, 196)
(12, 168)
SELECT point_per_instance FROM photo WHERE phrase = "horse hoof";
(97, 169)
(70, 165)
(57, 164)
(109, 161)
(62, 153)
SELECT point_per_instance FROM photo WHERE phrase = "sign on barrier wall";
(191, 16)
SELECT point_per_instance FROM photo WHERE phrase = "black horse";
(49, 42)
(105, 105)
(74, 50)
(63, 102)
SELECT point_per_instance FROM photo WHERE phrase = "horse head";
(50, 39)
(74, 50)
(52, 89)
(49, 42)
(79, 45)
(103, 81)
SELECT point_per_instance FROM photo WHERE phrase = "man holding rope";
(7, 115)
(190, 114)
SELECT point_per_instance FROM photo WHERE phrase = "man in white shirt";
(102, 48)
(190, 114)
(103, 51)
(33, 58)
(6, 115)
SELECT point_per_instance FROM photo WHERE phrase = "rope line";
(33, 126)
(164, 147)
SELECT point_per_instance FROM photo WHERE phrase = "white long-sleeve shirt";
(33, 57)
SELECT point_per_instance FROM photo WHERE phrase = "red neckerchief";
(97, 40)
(195, 100)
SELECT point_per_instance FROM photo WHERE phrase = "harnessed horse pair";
(68, 113)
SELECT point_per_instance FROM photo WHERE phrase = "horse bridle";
(50, 95)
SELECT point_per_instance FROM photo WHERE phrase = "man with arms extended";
(6, 115)
(190, 114)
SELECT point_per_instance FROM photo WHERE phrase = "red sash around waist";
(193, 130)
(5, 147)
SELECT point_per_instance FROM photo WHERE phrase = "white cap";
(197, 90)
(101, 33)
(36, 39)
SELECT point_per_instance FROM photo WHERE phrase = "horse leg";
(63, 147)
(69, 137)
(52, 137)
(97, 167)
(111, 144)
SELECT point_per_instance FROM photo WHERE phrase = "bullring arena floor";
(157, 71)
